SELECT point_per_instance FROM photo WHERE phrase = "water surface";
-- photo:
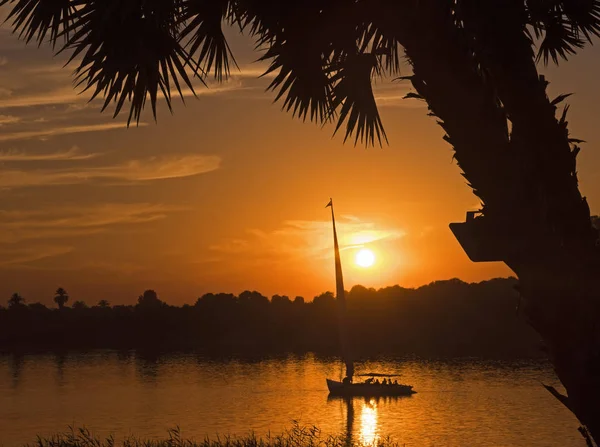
(459, 403)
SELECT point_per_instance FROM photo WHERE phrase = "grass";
(297, 436)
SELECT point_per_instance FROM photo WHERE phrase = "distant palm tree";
(80, 305)
(473, 62)
(103, 304)
(16, 300)
(61, 297)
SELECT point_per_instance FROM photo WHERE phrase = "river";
(464, 402)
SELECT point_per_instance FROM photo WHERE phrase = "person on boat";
(395, 382)
(369, 380)
(376, 381)
(384, 382)
(346, 380)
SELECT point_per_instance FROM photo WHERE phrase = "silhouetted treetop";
(79, 305)
(16, 300)
(149, 300)
(446, 318)
(131, 50)
(61, 297)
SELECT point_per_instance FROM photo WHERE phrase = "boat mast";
(341, 302)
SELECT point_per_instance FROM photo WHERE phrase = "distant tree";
(149, 300)
(253, 298)
(38, 307)
(61, 297)
(79, 305)
(103, 304)
(280, 300)
(15, 301)
(299, 300)
(326, 298)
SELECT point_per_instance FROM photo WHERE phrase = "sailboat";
(348, 387)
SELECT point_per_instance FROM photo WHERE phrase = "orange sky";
(229, 193)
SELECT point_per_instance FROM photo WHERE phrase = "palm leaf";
(35, 19)
(203, 25)
(298, 56)
(584, 16)
(353, 93)
(560, 40)
(129, 50)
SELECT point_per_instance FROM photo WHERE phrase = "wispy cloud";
(16, 256)
(393, 95)
(68, 95)
(71, 154)
(63, 95)
(54, 131)
(302, 238)
(69, 222)
(153, 168)
(8, 119)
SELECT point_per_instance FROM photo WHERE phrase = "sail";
(341, 302)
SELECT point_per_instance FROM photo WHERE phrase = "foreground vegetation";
(443, 319)
(296, 437)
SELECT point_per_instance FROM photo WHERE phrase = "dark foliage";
(444, 318)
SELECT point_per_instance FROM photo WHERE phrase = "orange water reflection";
(368, 422)
(460, 403)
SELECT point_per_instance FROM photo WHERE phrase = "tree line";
(445, 318)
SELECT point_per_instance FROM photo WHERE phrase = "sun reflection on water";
(368, 422)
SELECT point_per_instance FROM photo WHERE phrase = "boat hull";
(367, 389)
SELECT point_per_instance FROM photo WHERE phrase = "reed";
(297, 436)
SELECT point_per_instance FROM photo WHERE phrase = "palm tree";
(16, 301)
(473, 63)
(61, 297)
(104, 304)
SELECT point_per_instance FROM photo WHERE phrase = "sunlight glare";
(368, 423)
(365, 258)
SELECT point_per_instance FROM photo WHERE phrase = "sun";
(365, 258)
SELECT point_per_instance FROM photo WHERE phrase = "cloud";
(8, 119)
(70, 154)
(50, 132)
(308, 239)
(63, 95)
(11, 256)
(69, 222)
(67, 94)
(153, 168)
(393, 95)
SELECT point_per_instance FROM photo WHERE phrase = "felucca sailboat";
(347, 387)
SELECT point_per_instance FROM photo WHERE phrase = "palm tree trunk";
(526, 180)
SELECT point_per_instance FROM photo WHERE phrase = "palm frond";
(36, 19)
(301, 78)
(203, 25)
(584, 16)
(560, 40)
(298, 57)
(563, 25)
(385, 47)
(353, 93)
(129, 50)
